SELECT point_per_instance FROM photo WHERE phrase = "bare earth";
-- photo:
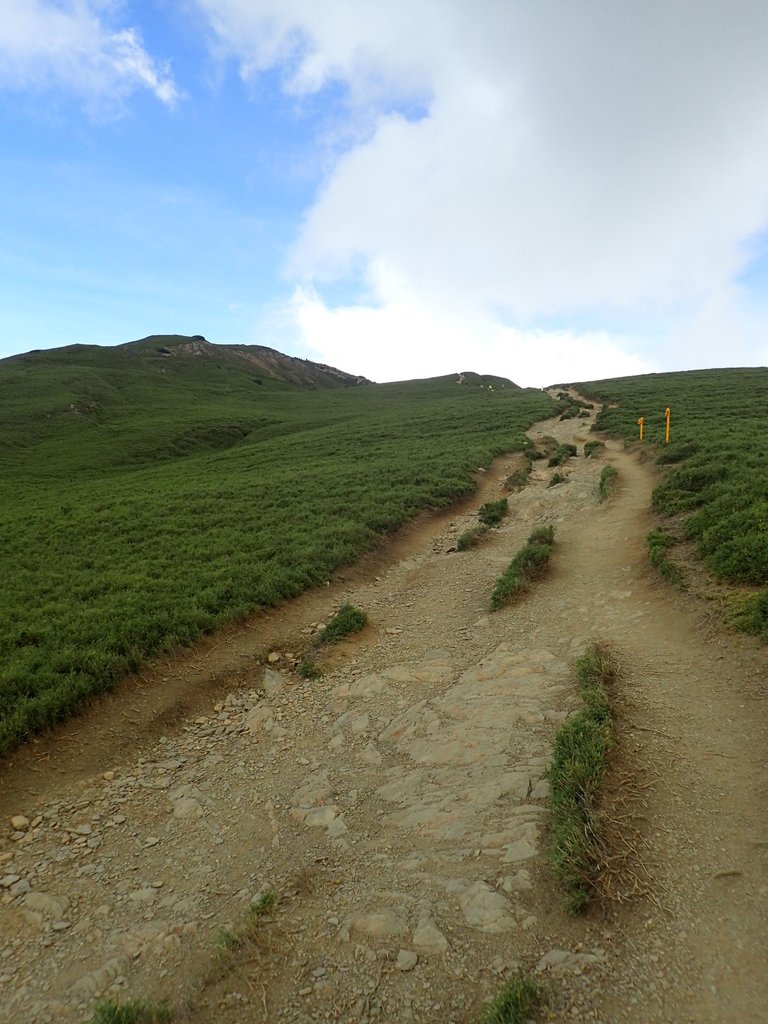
(398, 805)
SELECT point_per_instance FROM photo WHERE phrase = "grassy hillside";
(717, 461)
(146, 501)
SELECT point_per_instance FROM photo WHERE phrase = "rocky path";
(397, 806)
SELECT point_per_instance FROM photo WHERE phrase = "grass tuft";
(608, 479)
(515, 1003)
(308, 669)
(469, 538)
(346, 621)
(246, 931)
(528, 564)
(135, 1011)
(562, 453)
(492, 512)
(659, 543)
(576, 774)
(592, 447)
(750, 614)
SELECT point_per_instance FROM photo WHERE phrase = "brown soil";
(431, 797)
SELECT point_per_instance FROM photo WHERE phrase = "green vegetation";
(347, 620)
(492, 512)
(556, 478)
(517, 480)
(591, 447)
(528, 564)
(579, 764)
(470, 537)
(308, 669)
(659, 543)
(244, 933)
(490, 515)
(135, 1011)
(514, 1004)
(608, 479)
(148, 498)
(573, 407)
(718, 458)
(749, 613)
(562, 453)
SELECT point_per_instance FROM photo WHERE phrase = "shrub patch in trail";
(400, 806)
(576, 775)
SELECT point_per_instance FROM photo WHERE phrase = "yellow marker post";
(640, 423)
(668, 415)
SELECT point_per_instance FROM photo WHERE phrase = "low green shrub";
(556, 478)
(542, 535)
(576, 775)
(515, 1003)
(608, 479)
(752, 614)
(659, 544)
(492, 512)
(469, 538)
(562, 453)
(591, 447)
(517, 480)
(135, 1011)
(308, 669)
(529, 563)
(347, 620)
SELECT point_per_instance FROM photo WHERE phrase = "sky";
(548, 191)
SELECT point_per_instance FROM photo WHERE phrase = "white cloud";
(72, 44)
(379, 342)
(574, 161)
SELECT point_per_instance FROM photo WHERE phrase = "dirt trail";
(398, 805)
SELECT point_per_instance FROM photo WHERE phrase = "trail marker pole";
(668, 415)
(640, 423)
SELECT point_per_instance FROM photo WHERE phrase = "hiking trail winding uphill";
(398, 805)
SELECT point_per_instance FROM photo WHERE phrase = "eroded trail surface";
(398, 807)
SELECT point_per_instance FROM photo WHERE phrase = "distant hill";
(266, 361)
(158, 348)
(89, 408)
(152, 492)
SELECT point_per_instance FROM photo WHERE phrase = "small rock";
(44, 903)
(19, 823)
(486, 909)
(428, 936)
(143, 897)
(273, 657)
(19, 888)
(187, 807)
(406, 960)
(371, 755)
(273, 681)
(376, 924)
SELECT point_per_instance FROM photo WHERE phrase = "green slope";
(717, 478)
(145, 503)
